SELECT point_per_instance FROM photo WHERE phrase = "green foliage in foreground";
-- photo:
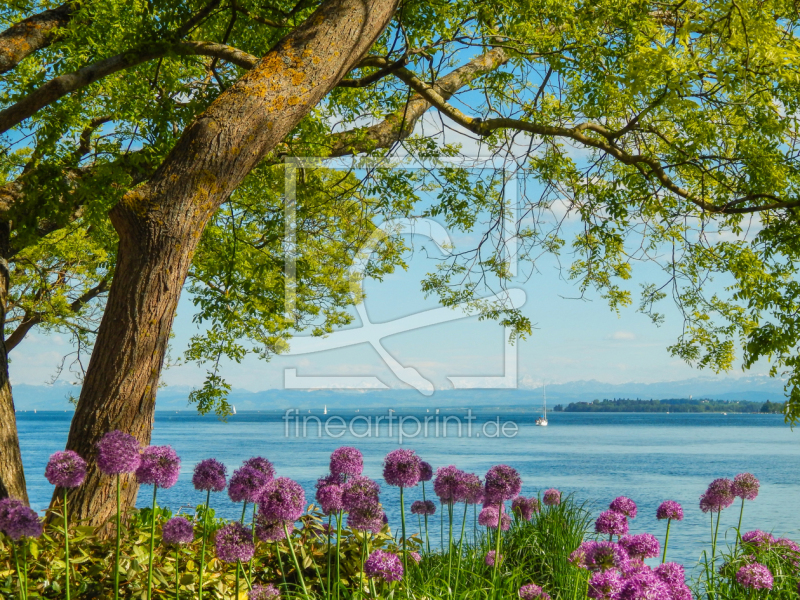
(533, 552)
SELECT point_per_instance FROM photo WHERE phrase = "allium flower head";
(757, 538)
(490, 558)
(755, 576)
(263, 465)
(234, 542)
(525, 507)
(209, 475)
(489, 515)
(65, 469)
(673, 575)
(447, 484)
(178, 530)
(264, 592)
(718, 496)
(644, 585)
(118, 453)
(610, 522)
(531, 591)
(347, 462)
(787, 543)
(282, 500)
(423, 507)
(384, 565)
(401, 468)
(669, 509)
(160, 466)
(605, 585)
(329, 495)
(624, 506)
(371, 519)
(578, 556)
(470, 489)
(745, 486)
(602, 556)
(247, 484)
(552, 497)
(640, 546)
(502, 483)
(18, 521)
(415, 556)
(272, 531)
(360, 493)
(425, 471)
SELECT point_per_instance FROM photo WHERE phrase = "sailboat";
(233, 409)
(326, 410)
(542, 421)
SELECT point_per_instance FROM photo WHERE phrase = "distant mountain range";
(754, 389)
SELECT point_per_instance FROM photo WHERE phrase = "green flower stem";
(66, 544)
(152, 542)
(460, 544)
(25, 565)
(450, 543)
(177, 572)
(427, 539)
(403, 524)
(203, 548)
(330, 518)
(19, 572)
(238, 562)
(739, 527)
(338, 543)
(497, 548)
(283, 571)
(254, 541)
(116, 553)
(666, 542)
(296, 564)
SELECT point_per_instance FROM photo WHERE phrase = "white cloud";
(621, 336)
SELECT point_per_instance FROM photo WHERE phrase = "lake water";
(647, 457)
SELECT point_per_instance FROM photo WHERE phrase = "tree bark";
(160, 223)
(12, 476)
(32, 34)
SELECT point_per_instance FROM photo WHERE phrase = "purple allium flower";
(745, 486)
(160, 466)
(401, 468)
(360, 493)
(282, 500)
(644, 585)
(640, 546)
(264, 592)
(247, 484)
(65, 469)
(490, 556)
(673, 575)
(470, 489)
(234, 542)
(263, 465)
(371, 518)
(385, 565)
(531, 591)
(605, 585)
(423, 507)
(209, 475)
(329, 496)
(178, 530)
(18, 521)
(502, 483)
(624, 506)
(602, 556)
(611, 522)
(552, 497)
(786, 543)
(488, 518)
(447, 483)
(755, 576)
(272, 531)
(415, 556)
(718, 496)
(578, 556)
(118, 453)
(525, 507)
(425, 471)
(347, 462)
(757, 538)
(669, 509)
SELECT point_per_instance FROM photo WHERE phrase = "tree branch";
(32, 34)
(65, 84)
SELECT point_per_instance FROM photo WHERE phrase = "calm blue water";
(648, 457)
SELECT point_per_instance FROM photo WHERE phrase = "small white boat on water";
(542, 421)
(233, 409)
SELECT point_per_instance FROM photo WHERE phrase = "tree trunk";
(160, 223)
(12, 476)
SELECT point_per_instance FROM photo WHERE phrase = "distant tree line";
(678, 405)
